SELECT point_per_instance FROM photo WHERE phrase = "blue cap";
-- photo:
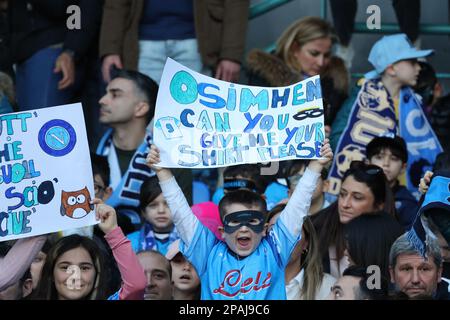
(391, 49)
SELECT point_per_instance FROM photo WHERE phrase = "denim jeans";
(37, 84)
(152, 58)
(5, 106)
(153, 55)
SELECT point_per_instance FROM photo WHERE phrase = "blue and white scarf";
(372, 115)
(126, 188)
(435, 206)
(147, 239)
(423, 145)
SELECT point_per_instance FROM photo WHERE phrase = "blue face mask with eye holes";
(250, 218)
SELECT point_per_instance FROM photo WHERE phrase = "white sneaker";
(345, 53)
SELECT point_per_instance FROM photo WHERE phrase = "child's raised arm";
(19, 259)
(153, 159)
(327, 155)
(298, 205)
(183, 217)
(134, 280)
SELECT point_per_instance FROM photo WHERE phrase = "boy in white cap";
(383, 102)
(185, 280)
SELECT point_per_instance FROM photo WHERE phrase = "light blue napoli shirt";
(259, 276)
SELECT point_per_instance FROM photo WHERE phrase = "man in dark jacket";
(413, 274)
(49, 53)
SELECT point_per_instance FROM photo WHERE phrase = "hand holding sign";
(153, 158)
(106, 214)
(327, 156)
(202, 122)
(45, 172)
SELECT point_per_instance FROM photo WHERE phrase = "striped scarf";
(126, 188)
(147, 239)
(372, 115)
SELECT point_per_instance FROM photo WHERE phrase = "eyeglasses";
(98, 188)
(370, 169)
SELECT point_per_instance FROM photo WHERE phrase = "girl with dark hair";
(368, 240)
(364, 190)
(73, 250)
(157, 231)
(304, 276)
(74, 268)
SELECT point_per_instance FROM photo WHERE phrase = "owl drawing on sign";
(76, 204)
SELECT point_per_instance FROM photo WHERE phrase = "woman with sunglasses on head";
(303, 50)
(364, 190)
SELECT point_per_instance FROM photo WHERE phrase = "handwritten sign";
(201, 122)
(46, 179)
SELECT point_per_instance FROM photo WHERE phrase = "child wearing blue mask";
(249, 263)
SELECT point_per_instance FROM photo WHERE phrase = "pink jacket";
(19, 259)
(133, 276)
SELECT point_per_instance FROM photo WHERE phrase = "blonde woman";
(302, 51)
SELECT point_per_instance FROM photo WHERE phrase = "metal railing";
(439, 29)
(263, 7)
(386, 28)
(266, 6)
(438, 75)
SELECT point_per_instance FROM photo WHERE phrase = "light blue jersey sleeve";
(197, 240)
(184, 219)
(291, 218)
(282, 242)
(200, 248)
(115, 296)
